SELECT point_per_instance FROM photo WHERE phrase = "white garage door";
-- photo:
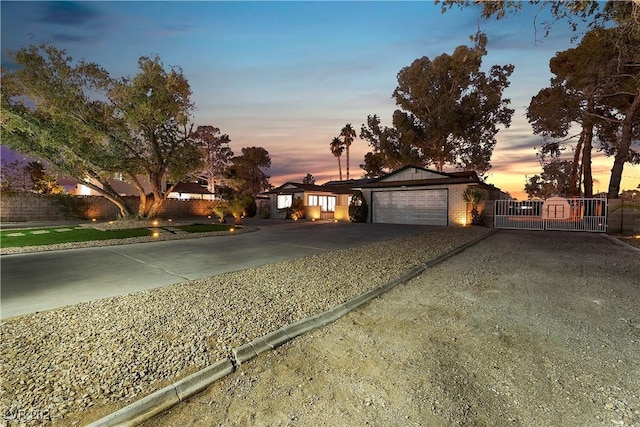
(428, 207)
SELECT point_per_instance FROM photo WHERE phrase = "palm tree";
(337, 147)
(348, 135)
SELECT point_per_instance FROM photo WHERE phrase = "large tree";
(348, 135)
(617, 23)
(246, 175)
(554, 180)
(155, 107)
(215, 151)
(554, 109)
(89, 126)
(392, 148)
(600, 79)
(593, 13)
(452, 108)
(48, 111)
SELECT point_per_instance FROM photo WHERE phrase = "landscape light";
(155, 222)
(93, 219)
(170, 220)
(209, 216)
(156, 234)
(231, 229)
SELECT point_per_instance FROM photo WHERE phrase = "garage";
(427, 207)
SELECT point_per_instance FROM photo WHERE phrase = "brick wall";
(18, 207)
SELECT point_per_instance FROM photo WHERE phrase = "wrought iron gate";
(556, 213)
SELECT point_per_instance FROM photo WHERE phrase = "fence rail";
(555, 213)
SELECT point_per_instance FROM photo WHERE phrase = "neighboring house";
(415, 195)
(119, 185)
(191, 190)
(327, 201)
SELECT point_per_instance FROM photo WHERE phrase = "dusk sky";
(287, 76)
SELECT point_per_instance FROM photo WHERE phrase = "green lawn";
(204, 228)
(53, 235)
(49, 236)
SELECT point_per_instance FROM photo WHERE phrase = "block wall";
(20, 207)
(621, 219)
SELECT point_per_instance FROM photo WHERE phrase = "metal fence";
(555, 213)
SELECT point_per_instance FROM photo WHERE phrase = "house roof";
(349, 182)
(447, 178)
(471, 174)
(334, 187)
(422, 182)
(190, 188)
(347, 187)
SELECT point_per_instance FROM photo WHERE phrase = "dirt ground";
(525, 328)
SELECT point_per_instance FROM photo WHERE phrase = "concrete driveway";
(43, 281)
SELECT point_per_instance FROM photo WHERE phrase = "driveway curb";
(621, 243)
(163, 399)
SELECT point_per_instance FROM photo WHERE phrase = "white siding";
(411, 174)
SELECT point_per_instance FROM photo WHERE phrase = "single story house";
(415, 195)
(328, 201)
(191, 190)
(409, 195)
(118, 184)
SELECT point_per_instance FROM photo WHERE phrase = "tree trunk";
(347, 163)
(113, 197)
(154, 209)
(142, 205)
(339, 167)
(574, 185)
(623, 150)
(586, 158)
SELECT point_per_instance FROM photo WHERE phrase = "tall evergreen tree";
(450, 110)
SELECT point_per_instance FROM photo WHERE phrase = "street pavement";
(42, 281)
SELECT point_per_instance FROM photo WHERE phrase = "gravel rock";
(117, 350)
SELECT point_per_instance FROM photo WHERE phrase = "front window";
(326, 203)
(284, 201)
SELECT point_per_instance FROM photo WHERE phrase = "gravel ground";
(76, 364)
(522, 329)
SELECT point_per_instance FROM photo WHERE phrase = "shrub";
(473, 196)
(220, 209)
(358, 209)
(250, 207)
